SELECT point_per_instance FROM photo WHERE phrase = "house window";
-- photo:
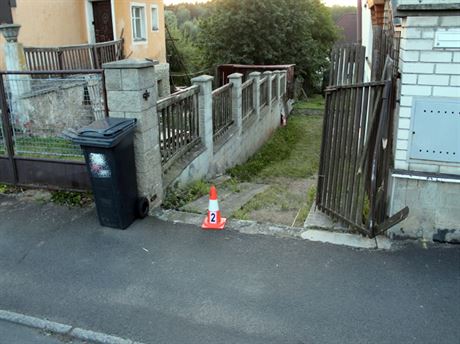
(138, 23)
(155, 25)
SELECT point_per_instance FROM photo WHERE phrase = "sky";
(327, 2)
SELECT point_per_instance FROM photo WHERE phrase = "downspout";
(359, 22)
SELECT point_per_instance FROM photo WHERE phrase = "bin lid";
(105, 132)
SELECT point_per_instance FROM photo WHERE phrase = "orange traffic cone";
(213, 220)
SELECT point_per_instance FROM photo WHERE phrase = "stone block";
(401, 165)
(112, 79)
(407, 78)
(448, 68)
(403, 134)
(450, 21)
(417, 67)
(435, 56)
(145, 119)
(405, 112)
(422, 21)
(430, 168)
(454, 80)
(137, 79)
(450, 169)
(416, 90)
(401, 154)
(418, 44)
(402, 144)
(433, 79)
(446, 91)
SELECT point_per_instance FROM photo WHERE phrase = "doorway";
(102, 14)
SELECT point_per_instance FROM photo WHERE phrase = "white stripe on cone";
(213, 205)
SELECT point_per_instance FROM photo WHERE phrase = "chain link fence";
(44, 106)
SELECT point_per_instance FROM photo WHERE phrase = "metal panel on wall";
(436, 129)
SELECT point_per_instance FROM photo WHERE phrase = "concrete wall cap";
(235, 76)
(254, 74)
(203, 78)
(130, 64)
(268, 72)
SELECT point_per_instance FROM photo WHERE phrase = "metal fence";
(222, 118)
(73, 57)
(248, 99)
(43, 105)
(274, 88)
(178, 119)
(264, 91)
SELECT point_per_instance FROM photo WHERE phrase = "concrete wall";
(162, 73)
(426, 71)
(434, 209)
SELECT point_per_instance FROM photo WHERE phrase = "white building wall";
(426, 71)
(367, 39)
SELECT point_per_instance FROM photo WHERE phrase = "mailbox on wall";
(435, 130)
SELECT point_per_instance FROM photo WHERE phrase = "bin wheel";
(142, 207)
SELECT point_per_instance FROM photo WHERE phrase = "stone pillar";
(132, 93)
(205, 112)
(269, 76)
(279, 75)
(255, 76)
(237, 100)
(15, 60)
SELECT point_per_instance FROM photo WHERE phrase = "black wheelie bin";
(108, 148)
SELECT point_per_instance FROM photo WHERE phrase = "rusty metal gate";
(356, 150)
(36, 108)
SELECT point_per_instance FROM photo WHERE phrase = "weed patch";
(72, 199)
(176, 196)
(293, 151)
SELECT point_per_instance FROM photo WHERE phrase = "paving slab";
(318, 220)
(229, 200)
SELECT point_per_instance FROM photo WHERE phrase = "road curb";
(63, 329)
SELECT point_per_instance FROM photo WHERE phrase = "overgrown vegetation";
(72, 199)
(252, 32)
(292, 152)
(316, 102)
(285, 162)
(177, 196)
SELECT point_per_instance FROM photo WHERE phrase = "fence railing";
(264, 91)
(178, 119)
(283, 85)
(222, 117)
(2, 141)
(274, 88)
(73, 57)
(248, 99)
(42, 105)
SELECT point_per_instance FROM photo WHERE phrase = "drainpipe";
(359, 22)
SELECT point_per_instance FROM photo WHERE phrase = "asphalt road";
(159, 282)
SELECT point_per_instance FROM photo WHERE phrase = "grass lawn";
(288, 162)
(316, 101)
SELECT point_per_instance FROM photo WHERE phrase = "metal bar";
(7, 130)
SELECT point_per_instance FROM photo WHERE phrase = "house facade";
(48, 23)
(426, 174)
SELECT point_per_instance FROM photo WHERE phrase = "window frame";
(143, 22)
(152, 7)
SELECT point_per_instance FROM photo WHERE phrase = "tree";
(300, 32)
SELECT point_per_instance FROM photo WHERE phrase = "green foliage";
(338, 11)
(72, 199)
(269, 32)
(293, 151)
(176, 197)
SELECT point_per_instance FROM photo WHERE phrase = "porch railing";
(178, 120)
(73, 57)
(222, 117)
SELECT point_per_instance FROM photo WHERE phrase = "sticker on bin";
(99, 166)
